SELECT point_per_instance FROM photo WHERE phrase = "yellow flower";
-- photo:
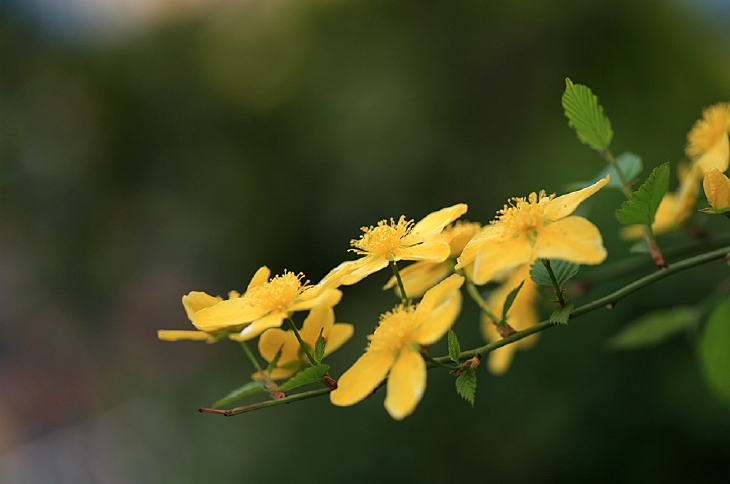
(708, 142)
(265, 304)
(420, 276)
(394, 351)
(292, 357)
(717, 190)
(521, 315)
(394, 241)
(194, 302)
(538, 226)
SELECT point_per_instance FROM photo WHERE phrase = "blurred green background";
(157, 151)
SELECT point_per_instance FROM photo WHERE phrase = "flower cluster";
(445, 255)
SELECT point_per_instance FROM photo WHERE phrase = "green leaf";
(654, 328)
(454, 346)
(563, 271)
(466, 385)
(319, 346)
(585, 116)
(714, 349)
(510, 299)
(644, 202)
(562, 315)
(248, 389)
(308, 375)
(630, 165)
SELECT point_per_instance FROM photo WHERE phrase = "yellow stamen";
(394, 330)
(277, 294)
(524, 215)
(382, 239)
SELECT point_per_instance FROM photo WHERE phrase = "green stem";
(396, 273)
(301, 341)
(607, 301)
(626, 187)
(251, 357)
(472, 290)
(556, 286)
(438, 363)
(267, 403)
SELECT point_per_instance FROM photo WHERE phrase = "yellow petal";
(564, 205)
(326, 297)
(231, 312)
(273, 340)
(419, 277)
(369, 265)
(276, 374)
(717, 189)
(573, 239)
(433, 248)
(337, 336)
(716, 157)
(272, 320)
(177, 335)
(362, 378)
(319, 318)
(438, 310)
(490, 233)
(260, 278)
(495, 257)
(435, 222)
(197, 300)
(501, 359)
(406, 384)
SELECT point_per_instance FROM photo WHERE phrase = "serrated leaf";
(563, 271)
(714, 349)
(249, 388)
(454, 346)
(644, 202)
(585, 116)
(510, 299)
(654, 328)
(562, 315)
(630, 165)
(308, 375)
(466, 385)
(319, 346)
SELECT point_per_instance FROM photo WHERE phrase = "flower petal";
(438, 310)
(273, 340)
(260, 278)
(406, 384)
(272, 320)
(327, 297)
(717, 189)
(564, 205)
(337, 336)
(197, 300)
(435, 222)
(433, 249)
(231, 312)
(573, 239)
(419, 277)
(362, 378)
(177, 335)
(495, 257)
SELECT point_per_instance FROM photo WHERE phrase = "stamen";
(394, 330)
(383, 238)
(277, 294)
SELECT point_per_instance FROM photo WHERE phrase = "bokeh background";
(149, 148)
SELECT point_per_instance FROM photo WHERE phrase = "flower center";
(277, 294)
(524, 215)
(394, 330)
(382, 239)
